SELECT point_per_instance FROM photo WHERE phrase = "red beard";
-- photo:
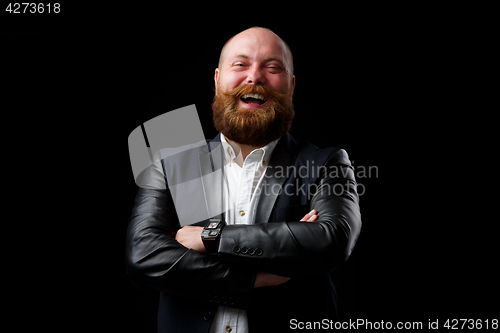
(253, 127)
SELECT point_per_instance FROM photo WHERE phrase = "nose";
(256, 76)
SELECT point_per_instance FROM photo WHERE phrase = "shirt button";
(242, 213)
(228, 329)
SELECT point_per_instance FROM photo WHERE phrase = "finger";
(308, 215)
(313, 218)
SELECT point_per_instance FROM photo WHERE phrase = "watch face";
(213, 225)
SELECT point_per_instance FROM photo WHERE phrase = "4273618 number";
(33, 8)
(461, 324)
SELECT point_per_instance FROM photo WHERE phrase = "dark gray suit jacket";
(299, 177)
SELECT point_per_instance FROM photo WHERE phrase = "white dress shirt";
(242, 189)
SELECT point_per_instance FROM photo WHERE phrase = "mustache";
(260, 89)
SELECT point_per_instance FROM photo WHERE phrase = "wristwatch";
(210, 235)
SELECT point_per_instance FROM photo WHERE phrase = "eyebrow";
(265, 60)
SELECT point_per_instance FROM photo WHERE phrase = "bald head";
(257, 36)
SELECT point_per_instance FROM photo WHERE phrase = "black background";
(386, 84)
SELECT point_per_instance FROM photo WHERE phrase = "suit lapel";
(276, 174)
(212, 177)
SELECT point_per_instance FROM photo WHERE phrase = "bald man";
(291, 211)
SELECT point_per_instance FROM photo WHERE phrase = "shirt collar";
(267, 150)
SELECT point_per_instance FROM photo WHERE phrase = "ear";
(293, 83)
(216, 79)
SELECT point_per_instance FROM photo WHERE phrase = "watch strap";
(211, 234)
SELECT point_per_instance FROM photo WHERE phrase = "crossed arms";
(155, 258)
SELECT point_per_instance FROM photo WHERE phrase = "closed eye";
(274, 68)
(239, 66)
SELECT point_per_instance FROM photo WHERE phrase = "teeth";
(256, 96)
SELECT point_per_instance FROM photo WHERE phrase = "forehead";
(258, 46)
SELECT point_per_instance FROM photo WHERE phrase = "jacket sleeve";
(294, 248)
(155, 259)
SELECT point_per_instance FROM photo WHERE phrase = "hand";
(265, 279)
(310, 217)
(190, 237)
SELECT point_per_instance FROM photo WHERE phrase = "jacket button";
(251, 251)
(236, 249)
(244, 250)
(242, 213)
(258, 251)
(208, 315)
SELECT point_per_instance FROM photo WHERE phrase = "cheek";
(280, 84)
(229, 81)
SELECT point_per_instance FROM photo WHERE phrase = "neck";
(241, 150)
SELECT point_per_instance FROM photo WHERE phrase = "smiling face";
(255, 56)
(254, 88)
